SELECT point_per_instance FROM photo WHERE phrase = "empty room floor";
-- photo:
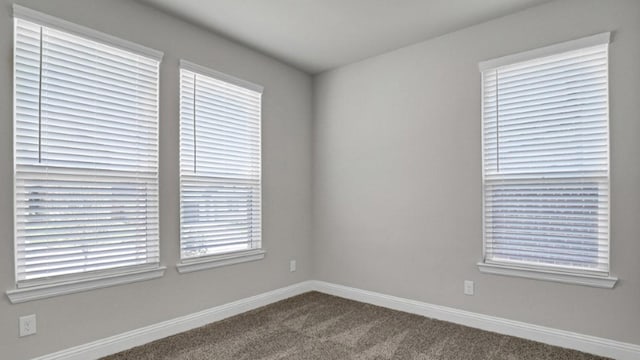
(319, 326)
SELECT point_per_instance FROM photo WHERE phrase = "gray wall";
(71, 320)
(397, 172)
(396, 177)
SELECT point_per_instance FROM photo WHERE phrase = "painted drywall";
(397, 199)
(71, 320)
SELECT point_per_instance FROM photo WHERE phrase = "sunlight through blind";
(86, 155)
(220, 163)
(546, 161)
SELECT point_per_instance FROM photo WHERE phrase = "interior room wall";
(76, 319)
(397, 172)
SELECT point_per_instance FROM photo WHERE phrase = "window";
(546, 160)
(85, 152)
(220, 187)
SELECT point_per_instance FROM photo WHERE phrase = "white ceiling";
(317, 35)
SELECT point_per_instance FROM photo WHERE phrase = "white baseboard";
(589, 344)
(129, 339)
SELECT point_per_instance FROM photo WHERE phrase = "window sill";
(74, 286)
(214, 261)
(607, 282)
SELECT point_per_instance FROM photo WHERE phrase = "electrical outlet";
(292, 266)
(468, 287)
(27, 325)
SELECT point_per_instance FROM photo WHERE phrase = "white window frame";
(548, 273)
(45, 288)
(235, 257)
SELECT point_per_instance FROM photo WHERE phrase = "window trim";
(189, 66)
(600, 279)
(97, 281)
(79, 30)
(68, 284)
(549, 274)
(219, 260)
(577, 44)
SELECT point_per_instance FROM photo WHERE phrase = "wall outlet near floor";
(468, 287)
(292, 265)
(27, 325)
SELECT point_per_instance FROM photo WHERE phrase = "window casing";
(545, 120)
(220, 163)
(85, 154)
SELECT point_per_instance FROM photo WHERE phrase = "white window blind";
(86, 155)
(546, 160)
(220, 163)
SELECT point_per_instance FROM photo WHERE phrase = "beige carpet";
(319, 326)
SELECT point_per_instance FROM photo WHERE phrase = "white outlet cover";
(468, 287)
(28, 325)
(292, 265)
